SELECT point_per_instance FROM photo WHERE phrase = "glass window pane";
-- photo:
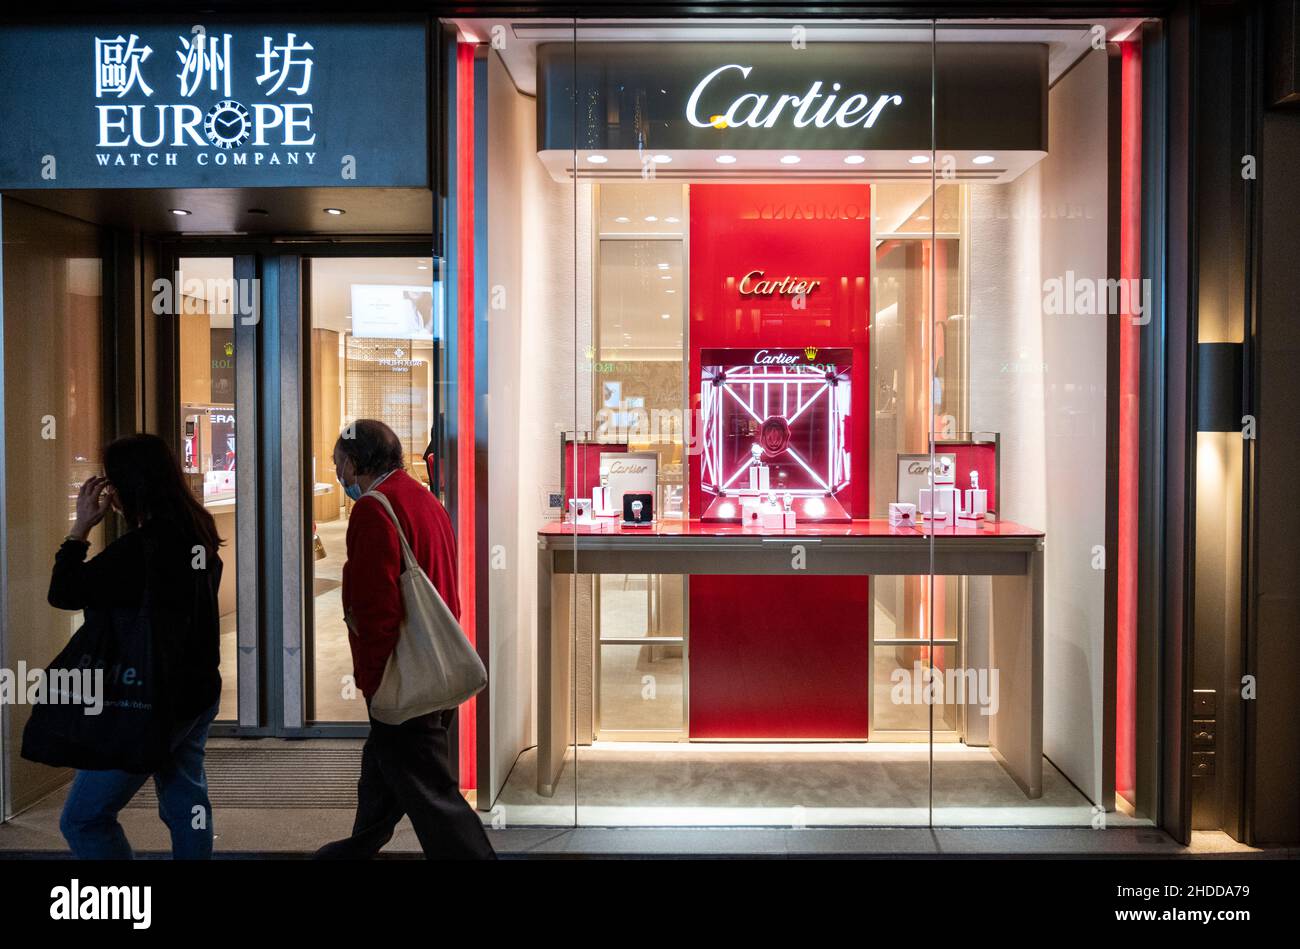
(206, 379)
(372, 329)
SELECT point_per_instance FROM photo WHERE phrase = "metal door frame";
(272, 398)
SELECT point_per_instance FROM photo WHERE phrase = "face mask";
(353, 490)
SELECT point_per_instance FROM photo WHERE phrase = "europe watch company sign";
(214, 105)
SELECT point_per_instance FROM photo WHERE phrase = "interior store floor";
(790, 785)
(332, 659)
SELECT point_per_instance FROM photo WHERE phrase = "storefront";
(814, 400)
(809, 300)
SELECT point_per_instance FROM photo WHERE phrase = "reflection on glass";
(206, 298)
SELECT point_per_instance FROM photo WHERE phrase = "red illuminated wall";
(1129, 457)
(782, 657)
(466, 540)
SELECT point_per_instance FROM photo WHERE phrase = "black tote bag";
(133, 729)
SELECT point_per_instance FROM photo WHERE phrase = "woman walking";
(170, 549)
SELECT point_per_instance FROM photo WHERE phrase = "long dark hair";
(147, 479)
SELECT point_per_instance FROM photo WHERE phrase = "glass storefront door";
(215, 303)
(372, 328)
(268, 369)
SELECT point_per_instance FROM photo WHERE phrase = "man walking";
(404, 768)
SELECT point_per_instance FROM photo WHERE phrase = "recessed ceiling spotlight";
(662, 159)
(180, 212)
(335, 211)
(670, 290)
(666, 277)
(726, 159)
(421, 266)
(650, 219)
(982, 159)
(671, 220)
(622, 219)
(665, 316)
(789, 159)
(662, 266)
(597, 159)
(918, 159)
(854, 159)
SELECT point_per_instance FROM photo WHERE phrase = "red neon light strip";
(465, 384)
(1130, 269)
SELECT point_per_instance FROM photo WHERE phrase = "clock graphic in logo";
(227, 124)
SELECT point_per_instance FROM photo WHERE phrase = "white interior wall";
(538, 386)
(1040, 380)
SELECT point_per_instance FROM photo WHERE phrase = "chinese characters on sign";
(228, 104)
(227, 125)
(117, 66)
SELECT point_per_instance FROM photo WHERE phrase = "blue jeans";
(89, 820)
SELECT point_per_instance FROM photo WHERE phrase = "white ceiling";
(331, 284)
(757, 165)
(1067, 41)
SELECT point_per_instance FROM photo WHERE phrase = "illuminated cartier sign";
(753, 285)
(749, 109)
(790, 361)
(662, 97)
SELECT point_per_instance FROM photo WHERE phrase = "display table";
(1009, 553)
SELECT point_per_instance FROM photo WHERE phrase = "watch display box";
(638, 509)
(776, 420)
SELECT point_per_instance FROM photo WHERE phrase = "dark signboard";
(136, 105)
(632, 96)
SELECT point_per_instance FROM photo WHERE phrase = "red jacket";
(372, 598)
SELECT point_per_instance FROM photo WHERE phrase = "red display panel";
(779, 657)
(582, 467)
(782, 267)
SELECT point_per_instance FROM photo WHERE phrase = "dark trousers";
(404, 770)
